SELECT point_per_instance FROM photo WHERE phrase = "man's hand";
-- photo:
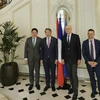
(41, 62)
(90, 63)
(26, 61)
(62, 61)
(78, 62)
(94, 64)
(56, 61)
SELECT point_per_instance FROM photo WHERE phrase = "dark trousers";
(34, 65)
(72, 73)
(92, 71)
(49, 68)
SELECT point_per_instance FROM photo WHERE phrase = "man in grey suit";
(32, 57)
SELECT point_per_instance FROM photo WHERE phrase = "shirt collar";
(69, 34)
(91, 40)
(49, 37)
(34, 37)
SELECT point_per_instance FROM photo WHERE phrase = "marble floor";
(19, 91)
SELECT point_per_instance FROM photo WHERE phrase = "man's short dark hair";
(34, 29)
(48, 29)
(91, 30)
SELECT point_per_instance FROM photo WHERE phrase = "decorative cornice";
(57, 6)
(62, 3)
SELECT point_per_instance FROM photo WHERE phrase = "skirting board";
(82, 72)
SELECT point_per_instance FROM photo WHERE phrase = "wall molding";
(49, 22)
(81, 72)
(30, 18)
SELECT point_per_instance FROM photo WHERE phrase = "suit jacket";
(71, 52)
(50, 52)
(30, 51)
(86, 52)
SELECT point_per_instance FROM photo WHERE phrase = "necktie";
(68, 39)
(91, 50)
(48, 42)
(33, 41)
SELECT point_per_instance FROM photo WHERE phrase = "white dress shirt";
(34, 40)
(49, 40)
(69, 37)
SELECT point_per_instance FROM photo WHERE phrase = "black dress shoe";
(53, 88)
(37, 86)
(30, 87)
(96, 93)
(99, 93)
(93, 94)
(46, 88)
(70, 91)
(75, 96)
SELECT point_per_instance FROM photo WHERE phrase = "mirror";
(63, 13)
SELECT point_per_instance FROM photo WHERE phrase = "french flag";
(60, 70)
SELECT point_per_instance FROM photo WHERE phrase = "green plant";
(9, 41)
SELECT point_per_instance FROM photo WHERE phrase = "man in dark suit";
(91, 54)
(32, 57)
(71, 56)
(49, 58)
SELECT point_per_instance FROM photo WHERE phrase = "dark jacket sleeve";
(63, 48)
(79, 48)
(56, 48)
(40, 39)
(42, 50)
(84, 52)
(98, 59)
(25, 49)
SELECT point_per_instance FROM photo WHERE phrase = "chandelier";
(4, 3)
